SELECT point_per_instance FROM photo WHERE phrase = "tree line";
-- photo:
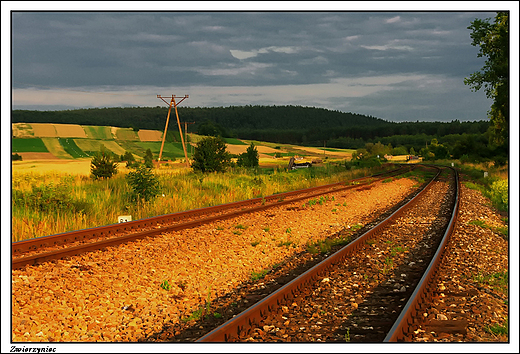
(279, 124)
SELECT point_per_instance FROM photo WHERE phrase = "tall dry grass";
(50, 203)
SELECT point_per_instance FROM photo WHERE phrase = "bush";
(144, 184)
(249, 158)
(148, 159)
(363, 163)
(16, 157)
(49, 198)
(498, 194)
(210, 155)
(103, 165)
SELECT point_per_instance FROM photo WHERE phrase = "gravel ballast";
(134, 291)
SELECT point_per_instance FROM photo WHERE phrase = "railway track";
(370, 290)
(42, 249)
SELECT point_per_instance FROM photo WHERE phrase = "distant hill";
(280, 124)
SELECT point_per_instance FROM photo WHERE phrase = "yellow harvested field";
(262, 150)
(54, 147)
(124, 133)
(22, 130)
(319, 151)
(149, 135)
(76, 167)
(42, 130)
(114, 147)
(70, 131)
(29, 156)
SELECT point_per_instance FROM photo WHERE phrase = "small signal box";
(124, 218)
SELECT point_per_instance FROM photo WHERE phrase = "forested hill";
(281, 124)
(234, 117)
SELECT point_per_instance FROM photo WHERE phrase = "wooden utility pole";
(186, 130)
(174, 104)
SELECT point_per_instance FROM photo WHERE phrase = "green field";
(234, 141)
(126, 134)
(28, 145)
(170, 150)
(55, 148)
(90, 146)
(71, 148)
(102, 133)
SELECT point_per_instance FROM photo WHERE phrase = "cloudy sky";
(395, 65)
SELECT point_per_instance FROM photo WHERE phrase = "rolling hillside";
(40, 141)
(35, 141)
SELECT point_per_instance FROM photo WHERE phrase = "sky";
(395, 65)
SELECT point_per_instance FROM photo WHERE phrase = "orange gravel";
(116, 294)
(465, 287)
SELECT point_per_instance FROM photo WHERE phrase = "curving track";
(368, 291)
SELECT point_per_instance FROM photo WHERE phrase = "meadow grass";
(28, 145)
(50, 203)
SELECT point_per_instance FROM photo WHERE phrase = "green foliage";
(250, 158)
(166, 285)
(211, 155)
(495, 189)
(363, 163)
(102, 165)
(128, 156)
(499, 194)
(148, 159)
(144, 184)
(210, 128)
(259, 275)
(498, 280)
(50, 198)
(499, 329)
(400, 150)
(499, 230)
(435, 151)
(16, 157)
(493, 42)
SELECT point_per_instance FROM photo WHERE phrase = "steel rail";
(244, 322)
(111, 229)
(107, 230)
(423, 289)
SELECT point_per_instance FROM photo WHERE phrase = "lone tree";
(493, 40)
(249, 158)
(148, 159)
(144, 184)
(103, 164)
(210, 155)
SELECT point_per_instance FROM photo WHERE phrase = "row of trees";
(281, 124)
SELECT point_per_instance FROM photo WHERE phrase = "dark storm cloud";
(251, 49)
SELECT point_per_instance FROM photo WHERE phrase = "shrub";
(49, 198)
(103, 165)
(144, 184)
(16, 157)
(249, 158)
(210, 155)
(499, 194)
(148, 159)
